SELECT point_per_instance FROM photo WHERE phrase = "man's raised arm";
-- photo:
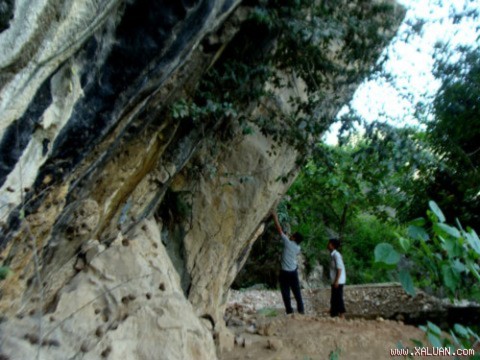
(277, 223)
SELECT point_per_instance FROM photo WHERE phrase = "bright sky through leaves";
(411, 62)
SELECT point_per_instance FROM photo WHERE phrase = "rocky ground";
(263, 331)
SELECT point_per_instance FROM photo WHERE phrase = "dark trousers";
(289, 280)
(337, 305)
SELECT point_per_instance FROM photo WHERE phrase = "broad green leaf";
(404, 244)
(473, 240)
(436, 210)
(434, 328)
(450, 245)
(473, 268)
(450, 230)
(417, 342)
(417, 233)
(385, 253)
(450, 278)
(407, 282)
(461, 330)
(459, 225)
(454, 337)
(418, 222)
(459, 266)
(434, 339)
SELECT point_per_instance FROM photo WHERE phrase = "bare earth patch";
(264, 332)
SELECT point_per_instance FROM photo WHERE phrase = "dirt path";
(263, 332)
(303, 338)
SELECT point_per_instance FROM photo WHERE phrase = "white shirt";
(336, 263)
(289, 254)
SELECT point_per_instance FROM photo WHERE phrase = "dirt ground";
(310, 338)
(263, 331)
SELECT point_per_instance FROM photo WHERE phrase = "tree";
(346, 191)
(453, 134)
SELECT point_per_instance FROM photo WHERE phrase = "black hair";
(335, 242)
(297, 237)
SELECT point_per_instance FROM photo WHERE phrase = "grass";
(268, 312)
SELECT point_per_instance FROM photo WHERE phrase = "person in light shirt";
(338, 277)
(289, 272)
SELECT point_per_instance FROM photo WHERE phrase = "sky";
(411, 63)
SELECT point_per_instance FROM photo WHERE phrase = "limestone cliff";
(122, 225)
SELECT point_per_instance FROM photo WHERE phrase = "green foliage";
(280, 42)
(456, 110)
(407, 282)
(338, 193)
(461, 337)
(340, 182)
(360, 239)
(385, 253)
(4, 272)
(397, 160)
(442, 161)
(453, 135)
(268, 312)
(443, 257)
(335, 354)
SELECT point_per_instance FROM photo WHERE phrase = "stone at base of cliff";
(126, 304)
(224, 339)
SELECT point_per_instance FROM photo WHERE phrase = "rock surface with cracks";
(122, 229)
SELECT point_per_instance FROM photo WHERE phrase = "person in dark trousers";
(289, 272)
(338, 277)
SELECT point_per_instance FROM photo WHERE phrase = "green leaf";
(459, 266)
(451, 246)
(436, 210)
(417, 233)
(473, 240)
(434, 339)
(385, 253)
(454, 337)
(404, 244)
(447, 229)
(451, 279)
(407, 282)
(417, 342)
(418, 222)
(434, 328)
(473, 268)
(461, 330)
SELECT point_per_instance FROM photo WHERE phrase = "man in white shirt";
(289, 273)
(338, 277)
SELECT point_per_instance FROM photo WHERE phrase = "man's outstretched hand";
(277, 223)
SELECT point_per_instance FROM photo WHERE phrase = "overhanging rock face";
(123, 226)
(126, 303)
